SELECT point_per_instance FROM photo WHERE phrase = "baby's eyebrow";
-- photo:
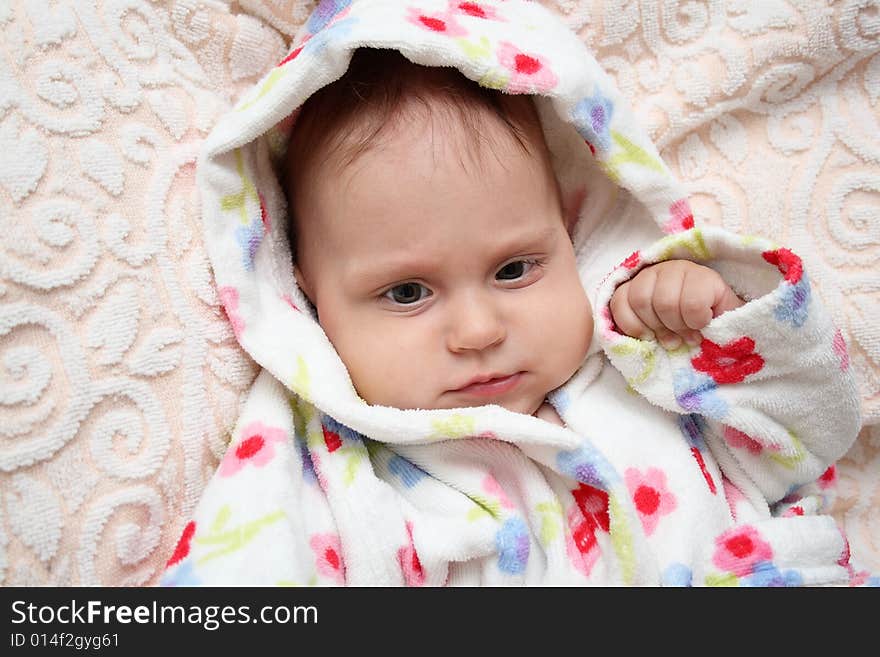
(389, 268)
(399, 265)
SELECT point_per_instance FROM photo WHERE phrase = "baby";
(438, 401)
(450, 250)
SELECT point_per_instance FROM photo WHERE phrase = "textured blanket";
(706, 465)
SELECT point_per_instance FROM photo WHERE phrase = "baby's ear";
(572, 203)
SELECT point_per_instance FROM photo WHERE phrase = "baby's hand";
(671, 301)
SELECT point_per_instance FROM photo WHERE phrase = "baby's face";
(441, 286)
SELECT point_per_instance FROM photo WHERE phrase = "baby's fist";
(671, 301)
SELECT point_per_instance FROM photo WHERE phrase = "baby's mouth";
(490, 385)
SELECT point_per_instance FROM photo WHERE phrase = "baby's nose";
(476, 324)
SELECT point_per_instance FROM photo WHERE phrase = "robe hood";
(596, 146)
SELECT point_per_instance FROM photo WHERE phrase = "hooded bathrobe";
(705, 465)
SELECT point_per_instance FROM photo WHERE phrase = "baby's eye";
(407, 293)
(514, 270)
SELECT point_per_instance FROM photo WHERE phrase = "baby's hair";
(345, 119)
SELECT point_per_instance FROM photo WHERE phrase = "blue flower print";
(560, 400)
(335, 32)
(182, 575)
(249, 238)
(582, 464)
(794, 303)
(592, 117)
(325, 12)
(512, 542)
(691, 427)
(341, 430)
(408, 473)
(677, 574)
(697, 393)
(308, 466)
(767, 574)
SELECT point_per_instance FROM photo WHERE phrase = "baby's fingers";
(698, 293)
(625, 317)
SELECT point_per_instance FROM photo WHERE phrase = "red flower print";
(409, 561)
(254, 448)
(526, 65)
(651, 497)
(331, 439)
(730, 363)
(632, 260)
(291, 56)
(828, 478)
(434, 24)
(183, 544)
(593, 504)
(698, 455)
(472, 9)
(788, 263)
(328, 556)
(738, 550)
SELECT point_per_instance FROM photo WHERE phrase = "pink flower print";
(839, 347)
(739, 549)
(736, 438)
(410, 565)
(651, 497)
(491, 486)
(581, 546)
(290, 303)
(442, 23)
(609, 330)
(328, 556)
(264, 213)
(255, 448)
(529, 72)
(733, 495)
(229, 300)
(788, 263)
(681, 217)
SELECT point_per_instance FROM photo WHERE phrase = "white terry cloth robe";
(706, 465)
